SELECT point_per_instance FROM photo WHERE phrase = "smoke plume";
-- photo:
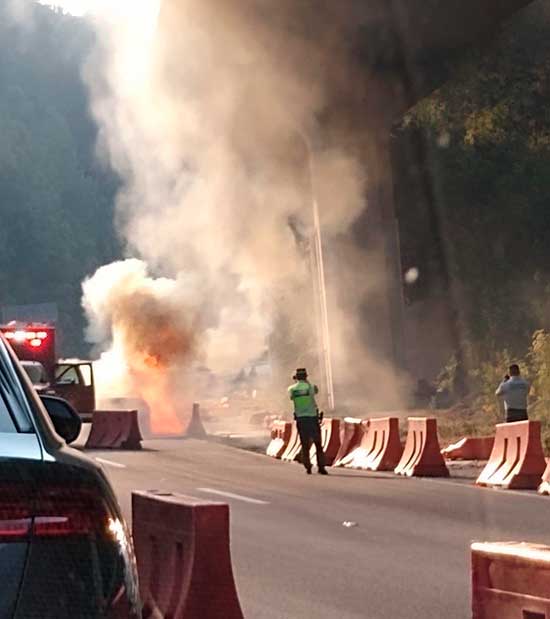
(224, 119)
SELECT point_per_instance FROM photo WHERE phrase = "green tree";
(487, 138)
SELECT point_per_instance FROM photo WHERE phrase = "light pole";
(319, 265)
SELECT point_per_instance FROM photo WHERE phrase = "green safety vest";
(302, 394)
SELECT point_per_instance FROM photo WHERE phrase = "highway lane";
(407, 558)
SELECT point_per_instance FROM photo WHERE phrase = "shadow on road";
(365, 475)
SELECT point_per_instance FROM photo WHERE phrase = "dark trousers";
(516, 414)
(310, 433)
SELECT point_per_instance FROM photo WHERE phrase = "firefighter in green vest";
(302, 393)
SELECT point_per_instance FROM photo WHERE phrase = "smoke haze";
(209, 111)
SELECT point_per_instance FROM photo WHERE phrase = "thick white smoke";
(209, 111)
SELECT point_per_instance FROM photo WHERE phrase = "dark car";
(65, 551)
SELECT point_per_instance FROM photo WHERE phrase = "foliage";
(487, 138)
(538, 360)
(500, 93)
(447, 377)
(486, 410)
(56, 203)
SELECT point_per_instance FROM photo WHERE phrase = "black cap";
(300, 373)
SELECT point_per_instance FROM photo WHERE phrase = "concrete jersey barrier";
(330, 439)
(195, 429)
(347, 460)
(351, 433)
(422, 454)
(294, 446)
(281, 431)
(544, 488)
(470, 448)
(114, 430)
(510, 581)
(184, 559)
(517, 460)
(380, 448)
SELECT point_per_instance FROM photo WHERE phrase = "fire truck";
(72, 380)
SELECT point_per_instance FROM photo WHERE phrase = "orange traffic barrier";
(184, 558)
(517, 459)
(348, 459)
(330, 439)
(281, 432)
(269, 420)
(381, 448)
(351, 433)
(544, 488)
(470, 448)
(195, 429)
(294, 446)
(114, 430)
(422, 454)
(510, 581)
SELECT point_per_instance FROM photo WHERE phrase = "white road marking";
(116, 465)
(231, 495)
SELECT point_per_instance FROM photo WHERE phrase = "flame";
(152, 361)
(156, 388)
(154, 340)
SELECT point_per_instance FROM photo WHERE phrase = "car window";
(86, 373)
(7, 423)
(14, 406)
(67, 375)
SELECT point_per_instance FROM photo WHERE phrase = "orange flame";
(152, 361)
(156, 389)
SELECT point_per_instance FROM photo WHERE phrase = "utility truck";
(70, 379)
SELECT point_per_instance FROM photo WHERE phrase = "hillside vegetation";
(56, 202)
(487, 138)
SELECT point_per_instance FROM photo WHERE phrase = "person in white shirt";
(514, 390)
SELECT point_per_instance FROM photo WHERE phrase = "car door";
(74, 382)
(20, 453)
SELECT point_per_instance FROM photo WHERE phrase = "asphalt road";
(406, 558)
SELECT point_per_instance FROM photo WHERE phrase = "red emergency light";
(33, 338)
(33, 342)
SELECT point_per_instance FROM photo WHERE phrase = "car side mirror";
(65, 419)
